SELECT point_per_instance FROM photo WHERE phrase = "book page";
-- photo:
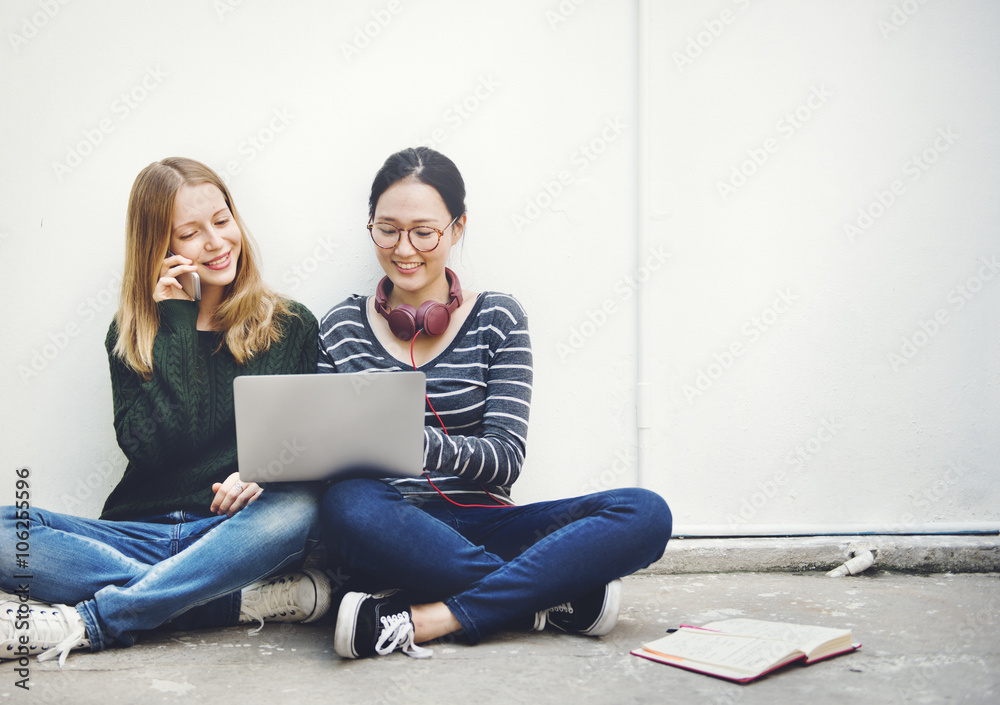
(697, 666)
(806, 638)
(743, 653)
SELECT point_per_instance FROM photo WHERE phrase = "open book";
(744, 649)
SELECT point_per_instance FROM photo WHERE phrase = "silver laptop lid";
(316, 426)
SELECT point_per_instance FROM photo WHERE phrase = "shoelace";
(48, 624)
(267, 602)
(541, 618)
(399, 629)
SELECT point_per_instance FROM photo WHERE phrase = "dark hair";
(426, 166)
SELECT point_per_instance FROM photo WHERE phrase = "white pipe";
(887, 528)
(858, 564)
(643, 395)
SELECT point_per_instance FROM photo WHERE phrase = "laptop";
(323, 426)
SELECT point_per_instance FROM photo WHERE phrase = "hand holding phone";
(190, 282)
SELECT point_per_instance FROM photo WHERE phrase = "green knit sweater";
(178, 430)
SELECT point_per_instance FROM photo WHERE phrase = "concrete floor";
(927, 639)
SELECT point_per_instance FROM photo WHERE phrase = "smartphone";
(190, 282)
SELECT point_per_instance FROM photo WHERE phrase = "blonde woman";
(180, 539)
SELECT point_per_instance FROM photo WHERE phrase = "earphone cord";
(427, 475)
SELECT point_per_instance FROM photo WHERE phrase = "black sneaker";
(369, 625)
(592, 615)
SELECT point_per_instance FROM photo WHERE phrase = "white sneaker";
(294, 597)
(52, 630)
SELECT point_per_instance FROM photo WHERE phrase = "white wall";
(865, 146)
(579, 184)
(509, 93)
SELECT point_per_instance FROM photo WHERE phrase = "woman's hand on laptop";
(232, 495)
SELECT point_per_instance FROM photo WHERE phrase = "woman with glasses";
(450, 551)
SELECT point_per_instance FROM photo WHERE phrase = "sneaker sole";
(609, 611)
(347, 620)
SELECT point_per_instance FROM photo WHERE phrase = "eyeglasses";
(423, 238)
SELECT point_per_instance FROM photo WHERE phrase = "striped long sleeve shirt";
(480, 387)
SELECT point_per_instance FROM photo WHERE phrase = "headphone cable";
(427, 474)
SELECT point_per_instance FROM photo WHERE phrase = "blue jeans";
(491, 566)
(127, 576)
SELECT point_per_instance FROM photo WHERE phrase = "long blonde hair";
(250, 311)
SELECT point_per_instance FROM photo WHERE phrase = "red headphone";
(432, 318)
